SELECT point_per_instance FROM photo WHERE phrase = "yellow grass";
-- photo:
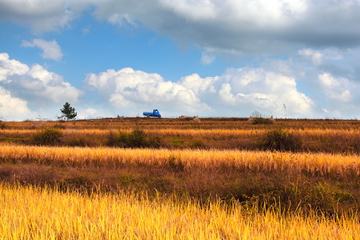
(334, 164)
(33, 213)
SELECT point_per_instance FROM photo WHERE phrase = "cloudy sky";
(211, 58)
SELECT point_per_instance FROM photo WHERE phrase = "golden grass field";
(201, 160)
(202, 181)
(33, 213)
(314, 140)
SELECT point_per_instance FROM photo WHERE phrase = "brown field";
(328, 136)
(216, 171)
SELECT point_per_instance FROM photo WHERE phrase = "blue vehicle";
(154, 113)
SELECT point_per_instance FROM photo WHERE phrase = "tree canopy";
(68, 111)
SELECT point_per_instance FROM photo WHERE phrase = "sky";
(206, 58)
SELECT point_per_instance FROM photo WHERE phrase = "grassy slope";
(330, 193)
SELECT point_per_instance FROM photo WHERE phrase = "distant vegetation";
(280, 140)
(68, 112)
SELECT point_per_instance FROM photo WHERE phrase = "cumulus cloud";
(236, 92)
(38, 84)
(127, 89)
(341, 98)
(33, 85)
(51, 49)
(264, 91)
(12, 108)
(199, 85)
(336, 89)
(330, 77)
(10, 67)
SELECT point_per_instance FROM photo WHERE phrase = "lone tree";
(68, 111)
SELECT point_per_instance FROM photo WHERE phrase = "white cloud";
(341, 98)
(47, 85)
(12, 108)
(197, 84)
(51, 49)
(10, 67)
(33, 86)
(266, 92)
(127, 89)
(236, 92)
(336, 89)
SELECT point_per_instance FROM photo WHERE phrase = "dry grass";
(321, 181)
(177, 193)
(334, 164)
(133, 216)
(323, 164)
(314, 140)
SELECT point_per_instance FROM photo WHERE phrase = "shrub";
(47, 136)
(280, 140)
(135, 139)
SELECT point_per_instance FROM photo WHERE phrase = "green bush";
(115, 140)
(280, 140)
(135, 139)
(47, 136)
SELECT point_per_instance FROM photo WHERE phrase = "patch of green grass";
(280, 140)
(47, 136)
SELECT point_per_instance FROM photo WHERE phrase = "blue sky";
(287, 58)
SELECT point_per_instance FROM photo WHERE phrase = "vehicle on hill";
(154, 113)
